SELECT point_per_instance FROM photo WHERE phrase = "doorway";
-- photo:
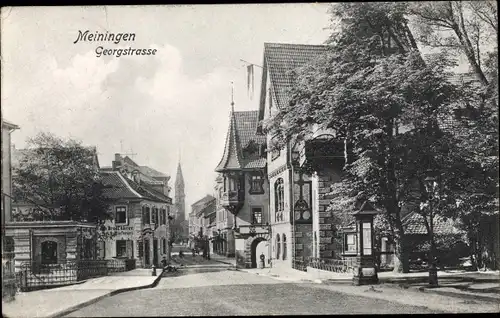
(155, 252)
(147, 262)
(258, 247)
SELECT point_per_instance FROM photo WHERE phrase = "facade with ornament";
(243, 189)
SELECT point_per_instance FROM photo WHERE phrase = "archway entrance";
(258, 246)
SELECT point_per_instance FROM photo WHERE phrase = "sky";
(159, 108)
(177, 101)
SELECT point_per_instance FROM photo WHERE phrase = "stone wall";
(303, 240)
(328, 246)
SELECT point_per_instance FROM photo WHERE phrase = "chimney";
(117, 163)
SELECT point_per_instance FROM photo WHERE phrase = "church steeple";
(179, 194)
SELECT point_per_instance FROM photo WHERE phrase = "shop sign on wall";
(121, 229)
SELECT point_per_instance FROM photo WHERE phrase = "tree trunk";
(401, 255)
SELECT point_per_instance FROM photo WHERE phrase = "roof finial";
(232, 97)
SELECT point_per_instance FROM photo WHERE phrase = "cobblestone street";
(212, 289)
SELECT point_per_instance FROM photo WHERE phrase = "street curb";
(457, 295)
(112, 293)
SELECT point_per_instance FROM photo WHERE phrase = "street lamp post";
(154, 226)
(430, 186)
(219, 241)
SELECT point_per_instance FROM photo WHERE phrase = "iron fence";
(299, 265)
(91, 268)
(333, 265)
(120, 265)
(33, 275)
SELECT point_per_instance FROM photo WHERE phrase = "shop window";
(121, 248)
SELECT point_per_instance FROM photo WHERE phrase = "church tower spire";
(180, 196)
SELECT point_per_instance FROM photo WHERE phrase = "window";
(351, 243)
(121, 248)
(88, 249)
(49, 252)
(145, 215)
(257, 215)
(164, 246)
(284, 247)
(279, 199)
(163, 216)
(256, 181)
(140, 249)
(121, 215)
(278, 245)
(154, 216)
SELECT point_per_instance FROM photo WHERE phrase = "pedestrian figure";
(164, 262)
(193, 251)
(181, 254)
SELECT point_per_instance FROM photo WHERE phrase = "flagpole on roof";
(232, 97)
(250, 63)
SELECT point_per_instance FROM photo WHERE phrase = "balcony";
(233, 201)
(321, 151)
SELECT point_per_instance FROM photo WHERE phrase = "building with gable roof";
(297, 199)
(243, 189)
(143, 210)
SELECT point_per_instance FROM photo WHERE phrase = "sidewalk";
(472, 286)
(58, 302)
(223, 259)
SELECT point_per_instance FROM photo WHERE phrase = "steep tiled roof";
(246, 127)
(116, 187)
(231, 158)
(119, 187)
(256, 163)
(279, 60)
(199, 206)
(152, 172)
(414, 224)
(242, 130)
(149, 193)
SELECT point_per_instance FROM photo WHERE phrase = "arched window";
(278, 245)
(284, 247)
(279, 199)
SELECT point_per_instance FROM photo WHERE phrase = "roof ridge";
(293, 44)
